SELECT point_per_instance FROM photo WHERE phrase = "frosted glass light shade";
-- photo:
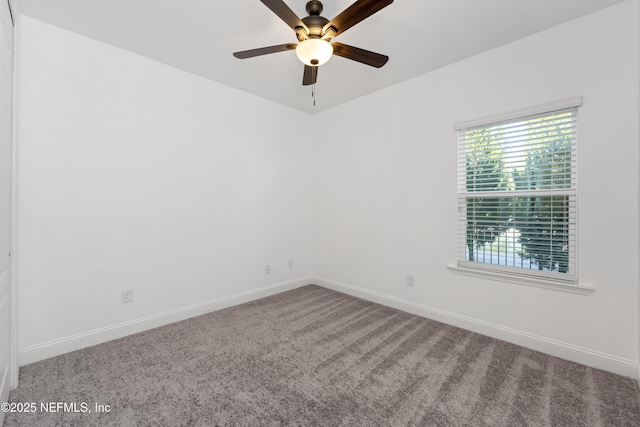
(314, 52)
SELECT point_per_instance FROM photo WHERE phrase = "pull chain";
(313, 93)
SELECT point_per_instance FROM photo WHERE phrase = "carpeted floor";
(315, 357)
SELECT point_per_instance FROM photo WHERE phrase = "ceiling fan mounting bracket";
(330, 33)
(301, 34)
(314, 7)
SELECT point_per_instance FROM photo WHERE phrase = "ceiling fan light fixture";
(314, 52)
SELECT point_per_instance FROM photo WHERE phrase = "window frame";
(510, 274)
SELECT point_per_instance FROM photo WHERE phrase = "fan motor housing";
(314, 21)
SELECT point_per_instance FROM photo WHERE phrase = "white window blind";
(517, 195)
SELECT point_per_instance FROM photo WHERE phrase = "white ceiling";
(199, 36)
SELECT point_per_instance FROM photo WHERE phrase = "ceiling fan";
(315, 33)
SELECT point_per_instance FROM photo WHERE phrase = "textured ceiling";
(199, 36)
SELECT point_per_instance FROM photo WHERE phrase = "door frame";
(15, 362)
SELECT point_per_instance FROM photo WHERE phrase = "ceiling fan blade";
(285, 13)
(264, 50)
(355, 53)
(357, 12)
(310, 75)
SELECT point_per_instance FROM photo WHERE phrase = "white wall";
(385, 190)
(135, 175)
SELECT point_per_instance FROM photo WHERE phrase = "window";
(517, 193)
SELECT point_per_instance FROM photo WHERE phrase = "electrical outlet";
(267, 269)
(127, 296)
(411, 280)
(290, 264)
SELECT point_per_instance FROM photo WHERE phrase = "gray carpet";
(315, 357)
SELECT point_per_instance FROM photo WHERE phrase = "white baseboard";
(97, 336)
(585, 356)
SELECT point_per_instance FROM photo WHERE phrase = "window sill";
(521, 280)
